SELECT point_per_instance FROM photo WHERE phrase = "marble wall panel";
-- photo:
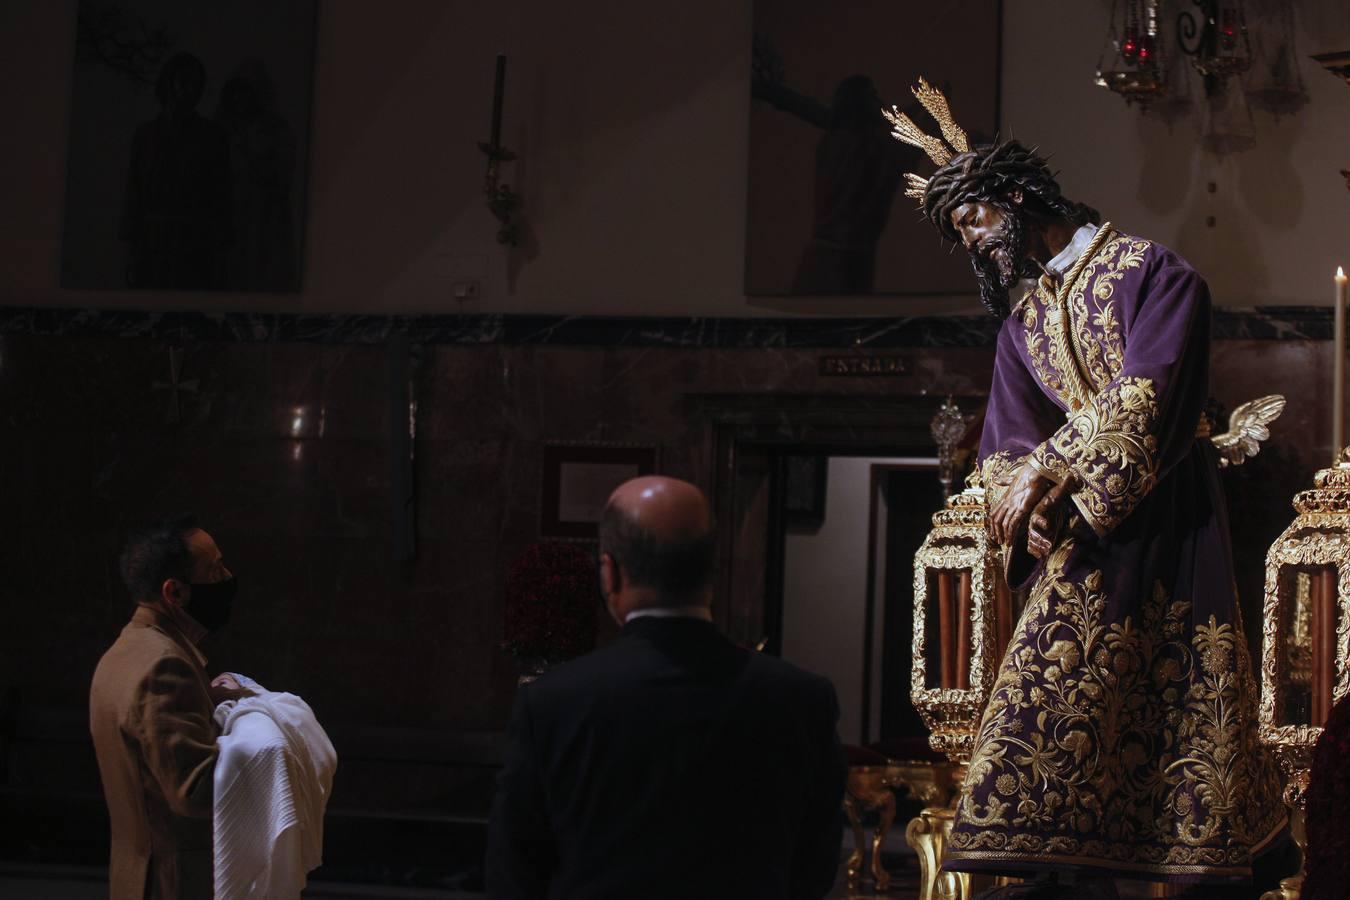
(325, 608)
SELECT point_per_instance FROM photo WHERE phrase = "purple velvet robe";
(1120, 737)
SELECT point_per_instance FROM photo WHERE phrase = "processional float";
(964, 614)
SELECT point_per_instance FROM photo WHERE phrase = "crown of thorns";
(963, 173)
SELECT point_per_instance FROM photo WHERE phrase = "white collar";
(671, 612)
(1065, 258)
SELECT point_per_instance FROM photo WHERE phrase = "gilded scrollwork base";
(927, 783)
(1296, 798)
(869, 786)
(927, 834)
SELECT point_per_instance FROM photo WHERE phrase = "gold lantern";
(962, 622)
(1305, 641)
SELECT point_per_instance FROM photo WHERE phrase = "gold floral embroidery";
(1120, 744)
(1111, 447)
(1050, 332)
(1096, 330)
(1038, 301)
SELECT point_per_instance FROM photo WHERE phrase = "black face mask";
(210, 604)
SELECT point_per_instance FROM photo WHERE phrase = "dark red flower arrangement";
(551, 594)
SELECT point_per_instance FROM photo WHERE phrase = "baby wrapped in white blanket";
(272, 784)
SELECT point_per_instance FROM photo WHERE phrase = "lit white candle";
(1338, 370)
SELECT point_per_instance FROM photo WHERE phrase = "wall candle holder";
(501, 200)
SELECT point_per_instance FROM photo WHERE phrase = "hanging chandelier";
(1274, 82)
(1216, 40)
(1138, 72)
(1240, 66)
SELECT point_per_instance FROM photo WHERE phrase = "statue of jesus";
(1120, 738)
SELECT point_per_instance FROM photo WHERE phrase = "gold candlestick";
(1338, 370)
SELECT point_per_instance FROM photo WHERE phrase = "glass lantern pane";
(1294, 654)
(948, 639)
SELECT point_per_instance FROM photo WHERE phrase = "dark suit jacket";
(150, 714)
(670, 763)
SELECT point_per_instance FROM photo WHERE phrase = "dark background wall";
(632, 122)
(401, 660)
(326, 609)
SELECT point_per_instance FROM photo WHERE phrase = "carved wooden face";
(993, 234)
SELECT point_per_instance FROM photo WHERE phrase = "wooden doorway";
(750, 442)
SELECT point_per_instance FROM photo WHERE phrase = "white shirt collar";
(671, 612)
(1065, 258)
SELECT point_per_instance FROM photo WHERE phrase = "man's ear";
(611, 578)
(172, 593)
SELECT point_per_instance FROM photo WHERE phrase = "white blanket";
(272, 783)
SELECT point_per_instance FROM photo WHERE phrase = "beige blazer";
(150, 714)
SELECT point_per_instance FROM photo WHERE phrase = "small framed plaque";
(578, 479)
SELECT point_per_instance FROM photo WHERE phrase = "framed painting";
(826, 210)
(578, 479)
(189, 134)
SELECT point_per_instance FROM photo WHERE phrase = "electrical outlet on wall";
(464, 291)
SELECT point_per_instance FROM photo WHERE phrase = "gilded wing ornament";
(1247, 428)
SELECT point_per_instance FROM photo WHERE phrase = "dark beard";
(997, 278)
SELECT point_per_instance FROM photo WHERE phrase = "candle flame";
(1340, 272)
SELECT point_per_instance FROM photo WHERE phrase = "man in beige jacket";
(150, 714)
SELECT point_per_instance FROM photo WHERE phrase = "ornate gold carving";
(928, 834)
(868, 786)
(959, 541)
(932, 784)
(1319, 536)
(948, 427)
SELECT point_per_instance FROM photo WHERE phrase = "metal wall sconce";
(501, 200)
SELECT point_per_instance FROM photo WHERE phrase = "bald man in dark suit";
(671, 762)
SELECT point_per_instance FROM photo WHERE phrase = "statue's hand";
(1010, 514)
(1046, 519)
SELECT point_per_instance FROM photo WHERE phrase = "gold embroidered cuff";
(1049, 466)
(1082, 500)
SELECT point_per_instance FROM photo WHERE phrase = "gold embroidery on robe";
(1096, 330)
(1113, 771)
(1050, 332)
(1110, 445)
